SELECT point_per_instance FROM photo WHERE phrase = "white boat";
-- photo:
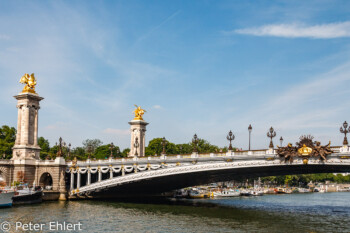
(6, 197)
(245, 192)
(304, 190)
(195, 193)
(226, 193)
(256, 193)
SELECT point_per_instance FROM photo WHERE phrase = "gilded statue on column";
(138, 113)
(30, 83)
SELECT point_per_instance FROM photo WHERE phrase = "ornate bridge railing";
(86, 176)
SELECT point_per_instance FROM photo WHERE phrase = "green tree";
(92, 143)
(104, 151)
(45, 147)
(53, 152)
(155, 147)
(7, 141)
(204, 146)
(125, 152)
(185, 148)
(78, 152)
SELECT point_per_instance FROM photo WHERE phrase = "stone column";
(99, 175)
(26, 146)
(111, 173)
(78, 179)
(71, 180)
(123, 170)
(89, 177)
(138, 130)
(19, 128)
(36, 121)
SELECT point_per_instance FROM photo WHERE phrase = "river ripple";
(316, 212)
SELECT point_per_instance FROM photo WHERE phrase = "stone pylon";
(26, 146)
(137, 143)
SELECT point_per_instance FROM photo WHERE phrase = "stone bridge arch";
(46, 180)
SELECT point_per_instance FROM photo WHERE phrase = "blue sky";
(202, 67)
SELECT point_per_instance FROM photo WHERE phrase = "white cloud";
(120, 132)
(157, 107)
(321, 31)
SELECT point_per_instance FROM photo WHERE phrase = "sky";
(203, 67)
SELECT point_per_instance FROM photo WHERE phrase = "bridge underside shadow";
(158, 185)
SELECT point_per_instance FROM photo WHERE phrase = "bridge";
(139, 175)
(154, 175)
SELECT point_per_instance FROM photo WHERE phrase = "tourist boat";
(25, 195)
(195, 193)
(226, 193)
(6, 197)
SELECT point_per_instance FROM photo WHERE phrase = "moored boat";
(280, 190)
(6, 197)
(25, 195)
(226, 193)
(256, 193)
(246, 193)
(194, 193)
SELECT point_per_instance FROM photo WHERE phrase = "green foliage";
(45, 147)
(155, 147)
(303, 180)
(125, 152)
(205, 147)
(53, 152)
(104, 152)
(93, 144)
(78, 152)
(7, 141)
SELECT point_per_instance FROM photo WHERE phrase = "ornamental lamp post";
(164, 143)
(281, 141)
(118, 152)
(249, 130)
(345, 129)
(271, 134)
(230, 137)
(195, 143)
(59, 152)
(111, 147)
(69, 149)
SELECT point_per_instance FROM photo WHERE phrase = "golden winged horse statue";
(138, 113)
(30, 82)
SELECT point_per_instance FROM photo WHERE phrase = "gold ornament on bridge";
(138, 113)
(305, 151)
(30, 82)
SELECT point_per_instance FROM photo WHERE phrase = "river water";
(314, 212)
